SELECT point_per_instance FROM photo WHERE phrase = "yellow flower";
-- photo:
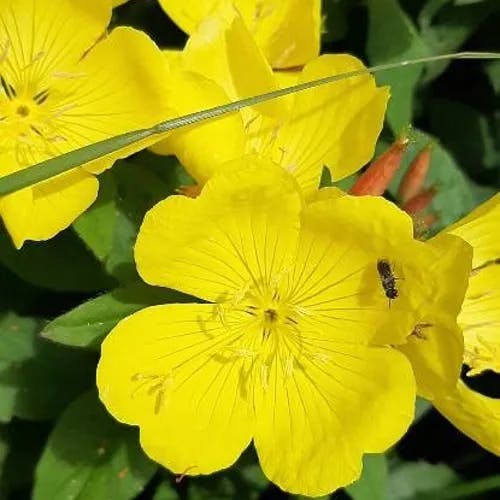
(287, 33)
(477, 415)
(118, 2)
(431, 278)
(66, 84)
(285, 351)
(336, 125)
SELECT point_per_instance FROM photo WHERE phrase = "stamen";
(35, 59)
(41, 97)
(9, 90)
(5, 51)
(68, 75)
(63, 110)
(264, 376)
(321, 357)
(158, 386)
(289, 367)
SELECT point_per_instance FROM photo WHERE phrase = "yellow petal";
(480, 321)
(239, 231)
(223, 50)
(182, 386)
(314, 426)
(119, 2)
(202, 148)
(42, 37)
(334, 281)
(123, 90)
(435, 347)
(435, 351)
(480, 228)
(335, 125)
(477, 416)
(40, 212)
(288, 32)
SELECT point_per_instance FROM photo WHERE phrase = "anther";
(41, 97)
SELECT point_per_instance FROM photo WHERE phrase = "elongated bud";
(420, 202)
(414, 179)
(377, 177)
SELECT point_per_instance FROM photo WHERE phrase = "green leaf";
(131, 188)
(89, 455)
(408, 480)
(61, 264)
(372, 485)
(445, 26)
(96, 226)
(393, 37)
(473, 145)
(88, 324)
(38, 378)
(466, 490)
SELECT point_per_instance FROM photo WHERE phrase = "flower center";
(31, 103)
(23, 110)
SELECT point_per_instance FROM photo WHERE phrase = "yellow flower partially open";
(474, 414)
(335, 125)
(66, 84)
(287, 32)
(285, 351)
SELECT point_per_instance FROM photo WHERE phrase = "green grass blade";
(60, 164)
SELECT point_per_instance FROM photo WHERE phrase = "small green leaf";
(393, 37)
(62, 264)
(372, 485)
(96, 226)
(87, 324)
(409, 479)
(89, 455)
(37, 378)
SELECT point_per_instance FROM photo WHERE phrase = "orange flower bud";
(420, 202)
(377, 177)
(413, 180)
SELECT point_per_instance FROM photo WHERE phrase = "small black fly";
(387, 279)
